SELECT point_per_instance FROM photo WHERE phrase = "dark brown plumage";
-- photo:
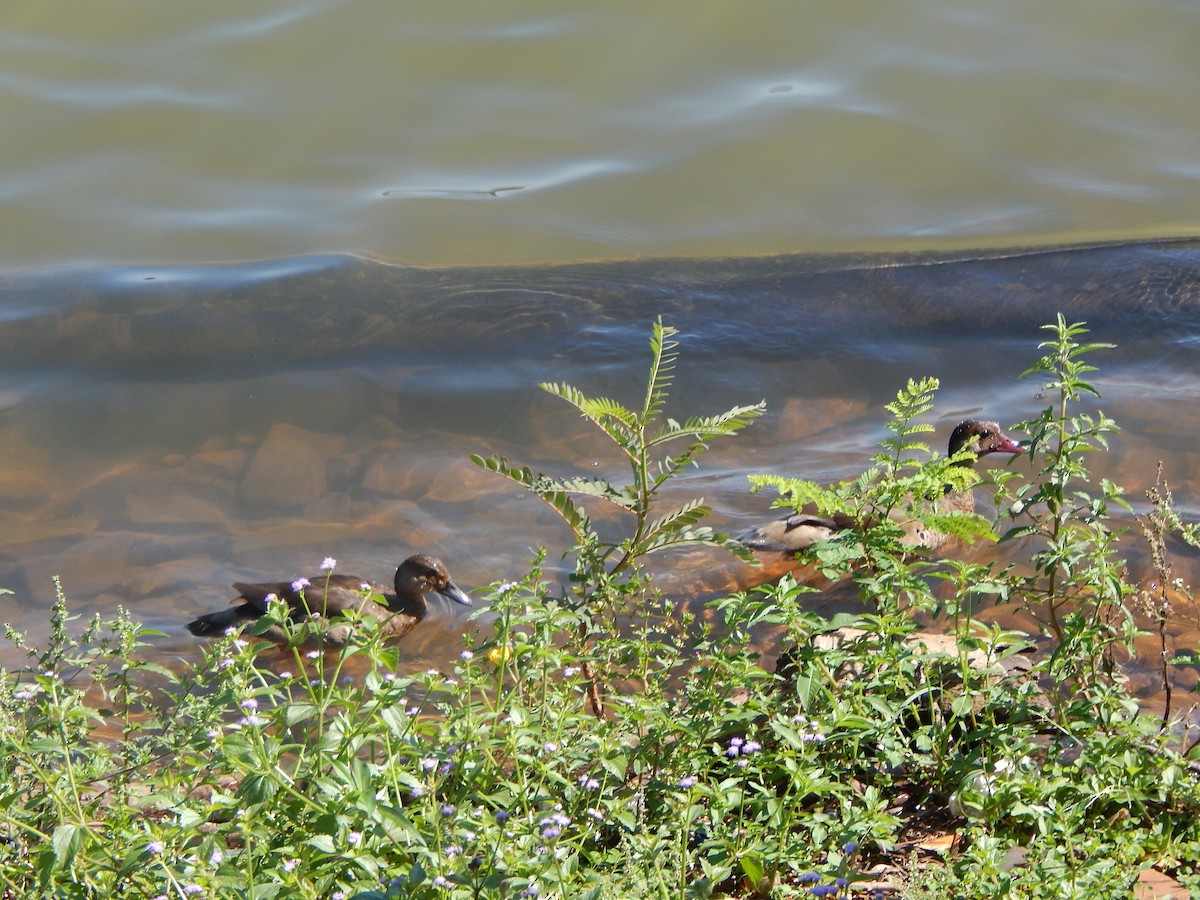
(801, 530)
(416, 576)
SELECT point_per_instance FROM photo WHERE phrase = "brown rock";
(402, 521)
(175, 508)
(390, 472)
(23, 491)
(459, 480)
(803, 418)
(213, 457)
(290, 467)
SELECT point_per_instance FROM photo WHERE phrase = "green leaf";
(963, 706)
(549, 490)
(257, 789)
(753, 867)
(322, 842)
(66, 842)
(298, 712)
(680, 517)
(662, 365)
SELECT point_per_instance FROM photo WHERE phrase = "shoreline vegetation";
(599, 740)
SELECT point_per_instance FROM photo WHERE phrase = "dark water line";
(173, 322)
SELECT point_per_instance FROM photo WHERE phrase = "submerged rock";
(290, 468)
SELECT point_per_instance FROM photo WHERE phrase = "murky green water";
(472, 132)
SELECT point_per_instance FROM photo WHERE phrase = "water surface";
(445, 134)
(330, 404)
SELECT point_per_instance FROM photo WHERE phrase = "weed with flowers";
(602, 741)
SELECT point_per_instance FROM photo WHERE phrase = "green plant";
(607, 572)
(639, 434)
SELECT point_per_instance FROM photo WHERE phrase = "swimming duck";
(801, 530)
(416, 576)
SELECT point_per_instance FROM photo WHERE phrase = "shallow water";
(156, 476)
(173, 419)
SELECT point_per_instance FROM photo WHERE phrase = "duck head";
(422, 574)
(981, 438)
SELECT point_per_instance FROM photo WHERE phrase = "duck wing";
(797, 532)
(340, 593)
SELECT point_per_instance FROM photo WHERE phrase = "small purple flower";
(751, 747)
(850, 848)
(354, 838)
(588, 783)
(441, 882)
(448, 809)
(193, 889)
(687, 781)
(428, 764)
(823, 890)
(154, 848)
(452, 851)
(216, 858)
(531, 891)
(328, 564)
(842, 882)
(467, 654)
(289, 865)
(300, 584)
(502, 816)
(809, 878)
(552, 826)
(249, 703)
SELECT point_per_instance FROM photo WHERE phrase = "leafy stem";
(639, 435)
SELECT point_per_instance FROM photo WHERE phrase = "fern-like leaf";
(552, 492)
(680, 517)
(662, 367)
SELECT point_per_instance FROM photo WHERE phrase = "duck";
(801, 530)
(332, 595)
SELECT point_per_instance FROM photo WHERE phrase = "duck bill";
(453, 592)
(1009, 446)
